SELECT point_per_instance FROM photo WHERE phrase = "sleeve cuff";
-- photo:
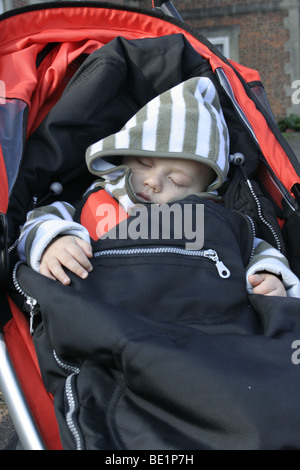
(289, 279)
(50, 231)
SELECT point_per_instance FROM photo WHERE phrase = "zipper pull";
(222, 269)
(32, 304)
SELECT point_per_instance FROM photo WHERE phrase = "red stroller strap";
(100, 213)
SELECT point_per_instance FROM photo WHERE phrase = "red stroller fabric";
(41, 89)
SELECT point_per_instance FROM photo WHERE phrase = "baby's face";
(160, 180)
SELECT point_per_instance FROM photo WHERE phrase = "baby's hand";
(267, 284)
(68, 251)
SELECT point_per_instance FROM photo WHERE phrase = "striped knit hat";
(185, 122)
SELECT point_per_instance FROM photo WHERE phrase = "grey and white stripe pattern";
(185, 122)
(45, 223)
(42, 226)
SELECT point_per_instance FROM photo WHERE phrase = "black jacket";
(157, 351)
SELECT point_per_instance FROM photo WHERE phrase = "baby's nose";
(154, 182)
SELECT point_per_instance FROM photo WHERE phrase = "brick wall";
(261, 47)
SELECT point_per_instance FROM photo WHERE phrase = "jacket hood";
(184, 122)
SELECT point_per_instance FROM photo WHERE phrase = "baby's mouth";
(144, 197)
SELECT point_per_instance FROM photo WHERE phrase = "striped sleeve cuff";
(47, 232)
(267, 258)
(42, 226)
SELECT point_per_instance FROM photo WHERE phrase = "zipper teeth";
(254, 233)
(136, 251)
(31, 301)
(16, 282)
(264, 221)
(64, 365)
(223, 271)
(13, 246)
(70, 399)
(71, 411)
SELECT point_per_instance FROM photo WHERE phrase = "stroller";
(57, 42)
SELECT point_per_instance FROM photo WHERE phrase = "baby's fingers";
(267, 284)
(80, 264)
(255, 279)
(71, 259)
(53, 270)
(86, 247)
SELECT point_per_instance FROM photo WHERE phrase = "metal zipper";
(69, 393)
(238, 159)
(29, 300)
(65, 365)
(70, 413)
(253, 236)
(224, 82)
(261, 217)
(223, 271)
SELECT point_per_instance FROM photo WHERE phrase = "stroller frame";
(17, 405)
